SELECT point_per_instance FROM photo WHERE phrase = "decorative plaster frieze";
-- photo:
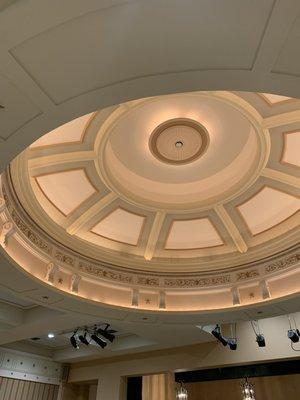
(241, 276)
(64, 258)
(100, 272)
(197, 282)
(284, 263)
(144, 281)
(30, 234)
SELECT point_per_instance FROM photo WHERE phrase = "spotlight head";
(216, 332)
(98, 340)
(83, 339)
(107, 334)
(73, 342)
(260, 340)
(232, 343)
(293, 335)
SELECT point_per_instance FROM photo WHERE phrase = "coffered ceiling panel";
(193, 234)
(121, 226)
(268, 208)
(274, 99)
(66, 190)
(291, 154)
(70, 132)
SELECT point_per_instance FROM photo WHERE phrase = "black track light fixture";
(260, 340)
(293, 335)
(107, 333)
(232, 343)
(216, 332)
(98, 340)
(73, 341)
(99, 333)
(83, 338)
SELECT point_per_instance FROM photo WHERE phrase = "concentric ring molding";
(237, 103)
(244, 270)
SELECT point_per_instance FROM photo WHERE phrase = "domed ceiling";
(171, 187)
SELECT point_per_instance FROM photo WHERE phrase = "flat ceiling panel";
(88, 52)
(18, 108)
(288, 61)
(10, 298)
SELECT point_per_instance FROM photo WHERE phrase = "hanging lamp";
(181, 392)
(247, 390)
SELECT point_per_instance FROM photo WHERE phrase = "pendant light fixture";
(247, 390)
(181, 392)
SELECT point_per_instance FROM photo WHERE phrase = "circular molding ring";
(191, 130)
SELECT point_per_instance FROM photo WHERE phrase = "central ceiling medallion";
(179, 141)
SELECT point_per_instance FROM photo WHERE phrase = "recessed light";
(51, 335)
(179, 143)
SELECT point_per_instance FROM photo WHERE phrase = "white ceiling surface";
(77, 57)
(81, 56)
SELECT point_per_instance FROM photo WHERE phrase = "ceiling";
(36, 57)
(95, 183)
(66, 65)
(163, 202)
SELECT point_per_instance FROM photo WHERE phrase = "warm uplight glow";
(176, 203)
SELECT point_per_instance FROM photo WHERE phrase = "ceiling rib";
(281, 119)
(281, 177)
(39, 163)
(231, 228)
(154, 234)
(88, 215)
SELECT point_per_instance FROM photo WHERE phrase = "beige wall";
(15, 389)
(266, 388)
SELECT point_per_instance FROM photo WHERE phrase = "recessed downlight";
(179, 144)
